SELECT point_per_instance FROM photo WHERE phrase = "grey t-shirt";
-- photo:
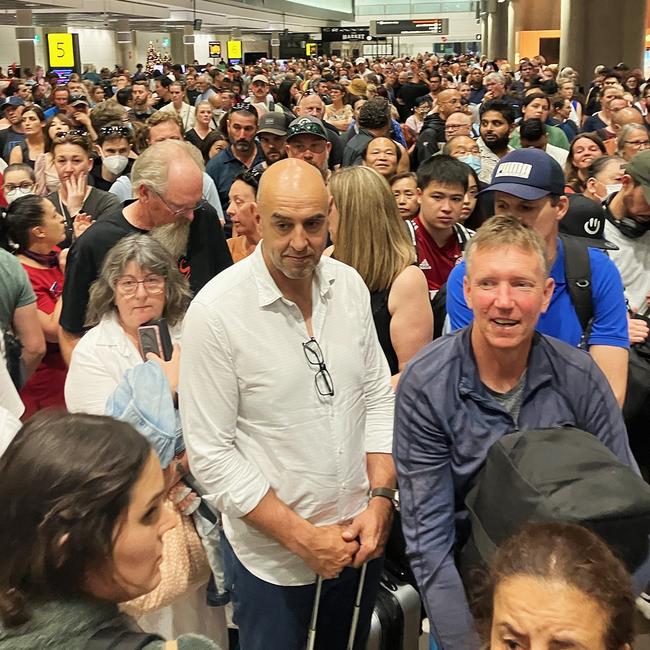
(15, 288)
(511, 401)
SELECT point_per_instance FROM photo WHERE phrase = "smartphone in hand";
(154, 337)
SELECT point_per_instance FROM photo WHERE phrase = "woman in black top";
(34, 143)
(203, 126)
(369, 235)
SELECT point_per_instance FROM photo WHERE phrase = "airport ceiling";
(221, 17)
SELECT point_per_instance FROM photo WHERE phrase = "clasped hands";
(329, 549)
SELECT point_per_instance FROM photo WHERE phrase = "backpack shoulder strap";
(577, 268)
(118, 638)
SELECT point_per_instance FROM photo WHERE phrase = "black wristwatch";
(388, 493)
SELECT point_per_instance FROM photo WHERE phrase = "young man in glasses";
(287, 417)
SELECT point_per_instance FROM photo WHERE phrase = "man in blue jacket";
(529, 184)
(463, 392)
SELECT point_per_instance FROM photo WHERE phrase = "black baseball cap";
(528, 174)
(274, 123)
(639, 169)
(585, 220)
(306, 125)
(76, 100)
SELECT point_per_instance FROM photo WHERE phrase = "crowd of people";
(242, 305)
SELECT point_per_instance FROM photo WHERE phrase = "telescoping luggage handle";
(311, 637)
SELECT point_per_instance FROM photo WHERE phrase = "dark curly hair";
(65, 484)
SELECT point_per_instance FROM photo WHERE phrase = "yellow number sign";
(215, 49)
(310, 49)
(60, 50)
(234, 49)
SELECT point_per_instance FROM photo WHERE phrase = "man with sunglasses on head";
(307, 140)
(114, 148)
(241, 154)
(287, 414)
(168, 193)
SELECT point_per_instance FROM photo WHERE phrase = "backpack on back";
(562, 475)
(636, 409)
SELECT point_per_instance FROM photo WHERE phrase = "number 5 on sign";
(60, 50)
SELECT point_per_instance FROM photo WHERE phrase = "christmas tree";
(153, 58)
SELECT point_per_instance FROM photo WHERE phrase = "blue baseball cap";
(14, 101)
(528, 174)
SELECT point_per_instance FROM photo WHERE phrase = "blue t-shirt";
(560, 320)
(51, 112)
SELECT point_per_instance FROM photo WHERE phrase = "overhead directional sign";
(234, 50)
(215, 49)
(335, 34)
(60, 49)
(423, 26)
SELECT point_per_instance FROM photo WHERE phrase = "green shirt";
(15, 289)
(556, 136)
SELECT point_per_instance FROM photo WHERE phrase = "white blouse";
(98, 364)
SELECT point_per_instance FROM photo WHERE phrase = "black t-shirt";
(97, 180)
(192, 95)
(160, 103)
(207, 255)
(8, 140)
(96, 204)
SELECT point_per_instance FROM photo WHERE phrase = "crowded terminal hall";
(325, 327)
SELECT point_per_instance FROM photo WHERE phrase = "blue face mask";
(473, 161)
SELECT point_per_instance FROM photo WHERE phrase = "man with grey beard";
(167, 186)
(241, 154)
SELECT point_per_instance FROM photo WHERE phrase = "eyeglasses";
(177, 212)
(251, 176)
(128, 285)
(25, 185)
(62, 135)
(637, 144)
(240, 106)
(314, 356)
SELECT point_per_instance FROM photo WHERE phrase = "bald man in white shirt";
(287, 415)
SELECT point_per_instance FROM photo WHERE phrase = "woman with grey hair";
(139, 282)
(631, 139)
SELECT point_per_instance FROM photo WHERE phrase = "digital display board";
(336, 34)
(421, 26)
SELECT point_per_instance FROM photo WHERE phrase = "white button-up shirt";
(253, 418)
(98, 363)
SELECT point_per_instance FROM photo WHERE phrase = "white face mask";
(115, 164)
(16, 194)
(612, 189)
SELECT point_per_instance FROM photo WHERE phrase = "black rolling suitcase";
(396, 620)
